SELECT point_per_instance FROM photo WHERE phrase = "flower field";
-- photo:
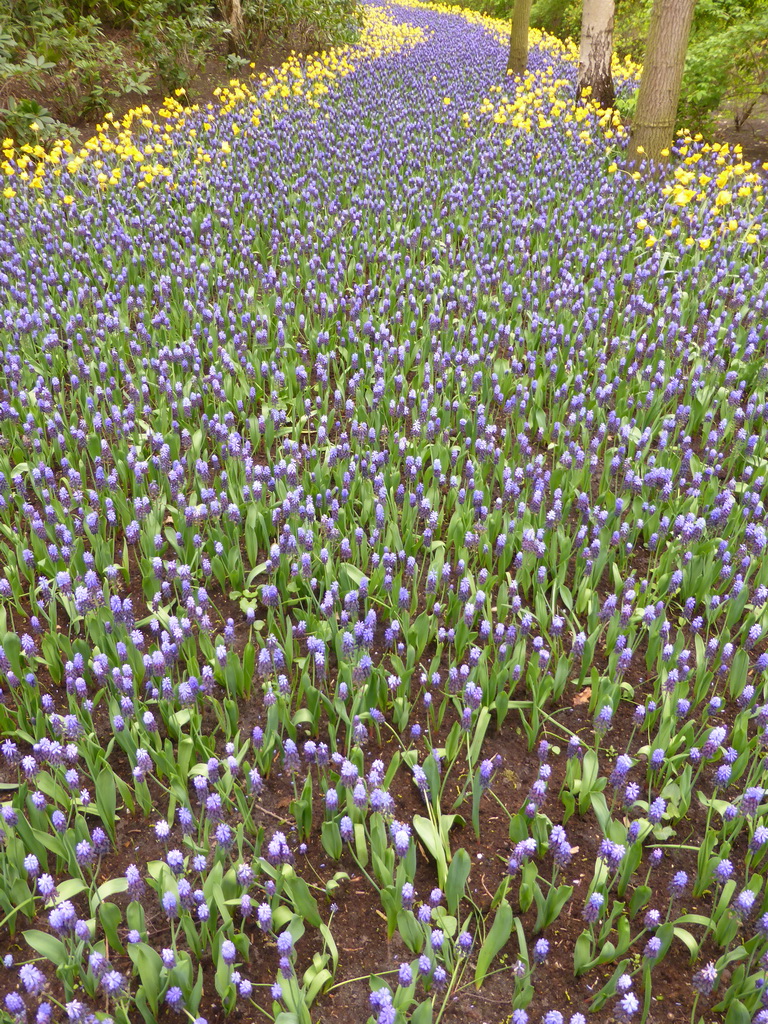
(383, 591)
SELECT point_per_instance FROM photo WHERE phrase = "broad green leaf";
(738, 1013)
(331, 839)
(111, 919)
(688, 940)
(304, 902)
(330, 943)
(430, 836)
(423, 1013)
(640, 898)
(458, 873)
(495, 941)
(111, 887)
(319, 983)
(46, 945)
(106, 799)
(582, 953)
(148, 966)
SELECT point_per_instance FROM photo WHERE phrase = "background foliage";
(84, 55)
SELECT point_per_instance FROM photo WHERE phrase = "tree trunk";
(596, 50)
(233, 14)
(518, 40)
(654, 122)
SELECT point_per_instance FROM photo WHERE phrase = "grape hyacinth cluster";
(383, 484)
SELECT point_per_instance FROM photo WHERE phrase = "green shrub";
(561, 18)
(631, 27)
(27, 72)
(726, 68)
(57, 48)
(28, 122)
(307, 24)
(176, 48)
(66, 55)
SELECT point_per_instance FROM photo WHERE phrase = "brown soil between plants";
(752, 136)
(359, 927)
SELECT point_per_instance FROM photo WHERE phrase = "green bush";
(726, 66)
(177, 48)
(61, 50)
(631, 28)
(561, 18)
(29, 123)
(309, 25)
(57, 48)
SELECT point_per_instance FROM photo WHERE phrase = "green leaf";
(304, 902)
(197, 991)
(606, 954)
(70, 888)
(496, 939)
(411, 932)
(25, 832)
(50, 842)
(106, 799)
(317, 985)
(46, 945)
(549, 909)
(111, 887)
(331, 839)
(148, 965)
(477, 796)
(738, 1013)
(144, 1009)
(330, 942)
(640, 898)
(223, 985)
(355, 575)
(688, 940)
(430, 836)
(458, 873)
(218, 897)
(582, 953)
(134, 916)
(361, 847)
(12, 648)
(423, 1013)
(111, 919)
(481, 726)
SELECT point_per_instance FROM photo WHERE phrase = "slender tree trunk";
(233, 13)
(654, 122)
(596, 50)
(518, 40)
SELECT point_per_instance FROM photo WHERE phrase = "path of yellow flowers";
(539, 102)
(304, 79)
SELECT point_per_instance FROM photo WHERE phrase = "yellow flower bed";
(304, 79)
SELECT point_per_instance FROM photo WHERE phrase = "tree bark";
(654, 122)
(233, 13)
(596, 50)
(518, 40)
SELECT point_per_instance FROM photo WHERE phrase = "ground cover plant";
(382, 530)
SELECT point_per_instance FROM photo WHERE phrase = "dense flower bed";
(382, 529)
